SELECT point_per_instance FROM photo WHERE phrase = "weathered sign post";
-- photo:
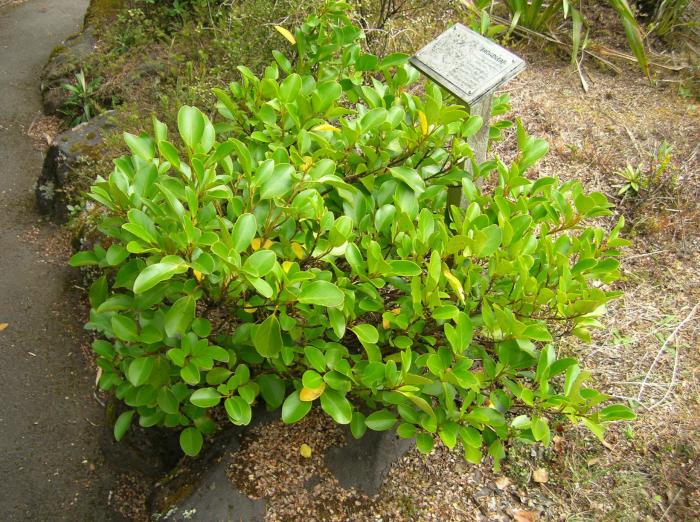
(471, 67)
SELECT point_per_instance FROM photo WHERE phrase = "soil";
(50, 422)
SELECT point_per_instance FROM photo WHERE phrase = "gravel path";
(49, 422)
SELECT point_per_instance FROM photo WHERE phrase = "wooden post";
(479, 144)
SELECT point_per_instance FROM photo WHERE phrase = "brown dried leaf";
(502, 482)
(540, 475)
(3, 326)
(526, 516)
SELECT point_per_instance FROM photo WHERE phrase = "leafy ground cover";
(646, 470)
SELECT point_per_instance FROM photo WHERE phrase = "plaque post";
(471, 67)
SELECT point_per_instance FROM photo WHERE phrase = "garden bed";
(645, 470)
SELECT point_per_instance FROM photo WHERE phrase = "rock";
(69, 149)
(152, 452)
(102, 11)
(363, 463)
(216, 500)
(67, 58)
(64, 62)
(199, 489)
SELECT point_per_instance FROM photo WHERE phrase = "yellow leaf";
(311, 394)
(256, 243)
(197, 275)
(396, 311)
(3, 326)
(454, 283)
(250, 310)
(423, 122)
(307, 163)
(284, 32)
(298, 250)
(305, 451)
(326, 127)
(286, 265)
(385, 324)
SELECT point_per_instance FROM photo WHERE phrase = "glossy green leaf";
(267, 337)
(294, 409)
(244, 231)
(337, 406)
(238, 410)
(381, 420)
(191, 441)
(321, 293)
(205, 397)
(123, 423)
(180, 315)
(155, 273)
(366, 333)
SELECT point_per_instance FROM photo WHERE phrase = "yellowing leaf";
(305, 451)
(286, 265)
(3, 326)
(298, 250)
(284, 32)
(454, 283)
(423, 122)
(385, 322)
(326, 127)
(197, 275)
(256, 243)
(250, 310)
(311, 394)
(307, 163)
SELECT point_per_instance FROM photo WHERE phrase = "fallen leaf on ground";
(3, 326)
(305, 451)
(502, 482)
(525, 516)
(540, 475)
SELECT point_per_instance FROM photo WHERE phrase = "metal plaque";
(467, 64)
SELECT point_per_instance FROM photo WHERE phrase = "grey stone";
(199, 489)
(66, 152)
(216, 499)
(364, 463)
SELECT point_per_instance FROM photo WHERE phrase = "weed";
(82, 103)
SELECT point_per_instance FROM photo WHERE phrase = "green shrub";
(297, 251)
